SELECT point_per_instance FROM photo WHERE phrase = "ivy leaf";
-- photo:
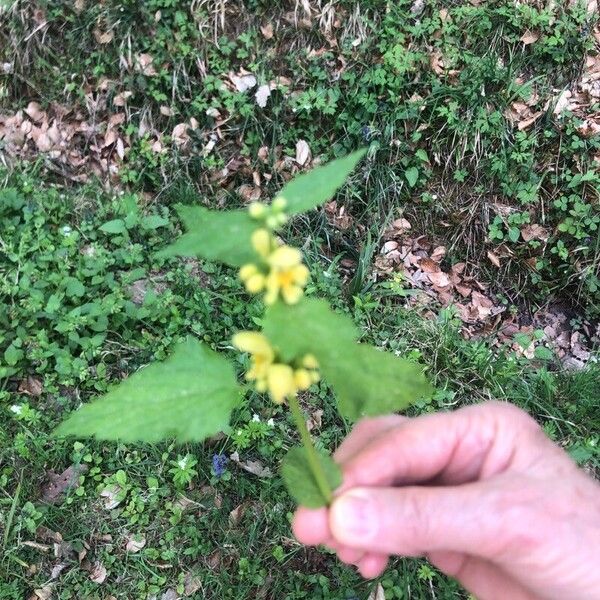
(222, 236)
(296, 329)
(314, 188)
(366, 381)
(300, 481)
(189, 397)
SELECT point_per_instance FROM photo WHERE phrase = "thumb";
(412, 521)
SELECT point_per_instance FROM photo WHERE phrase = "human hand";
(481, 492)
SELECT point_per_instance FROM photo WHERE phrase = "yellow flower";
(280, 382)
(262, 355)
(287, 276)
(252, 278)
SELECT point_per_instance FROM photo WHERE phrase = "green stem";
(311, 454)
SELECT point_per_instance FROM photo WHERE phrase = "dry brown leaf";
(236, 514)
(401, 226)
(267, 30)
(252, 466)
(263, 153)
(463, 290)
(439, 279)
(389, 246)
(35, 113)
(214, 560)
(166, 111)
(302, 152)
(135, 543)
(143, 63)
(103, 37)
(494, 259)
(32, 386)
(534, 232)
(529, 37)
(57, 485)
(79, 5)
(428, 265)
(44, 593)
(458, 268)
(315, 420)
(191, 584)
(438, 253)
(120, 148)
(121, 99)
(98, 573)
(170, 594)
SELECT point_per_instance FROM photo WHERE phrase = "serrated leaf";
(366, 381)
(222, 236)
(412, 176)
(300, 481)
(189, 397)
(296, 329)
(370, 382)
(115, 226)
(314, 188)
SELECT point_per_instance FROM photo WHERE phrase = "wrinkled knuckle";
(417, 522)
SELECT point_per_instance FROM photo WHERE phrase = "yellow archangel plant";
(191, 394)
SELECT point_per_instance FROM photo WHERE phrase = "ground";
(467, 240)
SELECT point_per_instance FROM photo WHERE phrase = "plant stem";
(311, 454)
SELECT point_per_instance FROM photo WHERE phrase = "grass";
(74, 320)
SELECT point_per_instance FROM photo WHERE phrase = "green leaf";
(154, 222)
(223, 236)
(12, 355)
(189, 397)
(314, 188)
(74, 287)
(300, 481)
(514, 234)
(298, 329)
(115, 226)
(412, 176)
(370, 382)
(543, 353)
(523, 339)
(366, 381)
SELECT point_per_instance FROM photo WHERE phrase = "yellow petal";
(247, 271)
(272, 285)
(315, 376)
(285, 257)
(292, 293)
(261, 386)
(261, 242)
(302, 379)
(257, 210)
(253, 342)
(280, 380)
(310, 362)
(256, 283)
(301, 274)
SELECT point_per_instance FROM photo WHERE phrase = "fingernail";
(352, 519)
